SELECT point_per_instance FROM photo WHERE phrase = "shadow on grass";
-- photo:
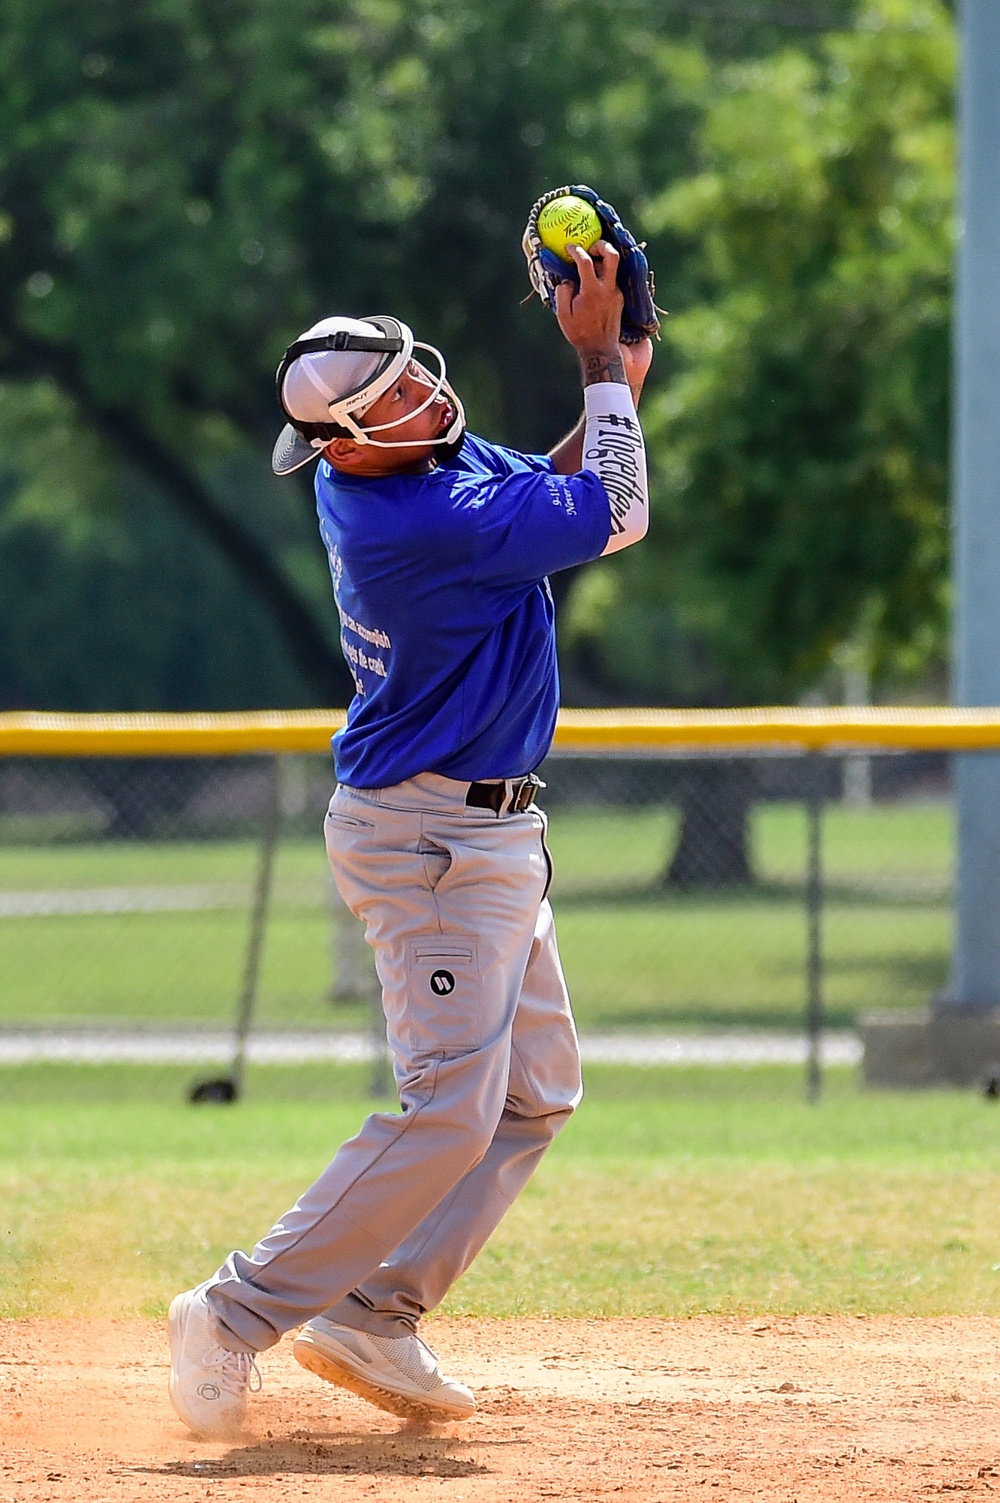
(889, 978)
(896, 973)
(708, 1084)
(408, 1453)
(697, 1018)
(888, 894)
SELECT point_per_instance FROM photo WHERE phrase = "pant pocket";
(348, 846)
(336, 820)
(442, 1010)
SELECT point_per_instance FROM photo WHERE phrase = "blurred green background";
(154, 932)
(184, 188)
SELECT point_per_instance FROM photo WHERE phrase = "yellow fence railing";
(42, 734)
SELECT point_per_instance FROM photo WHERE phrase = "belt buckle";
(524, 793)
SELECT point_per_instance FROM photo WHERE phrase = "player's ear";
(340, 450)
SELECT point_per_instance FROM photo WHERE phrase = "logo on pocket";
(442, 983)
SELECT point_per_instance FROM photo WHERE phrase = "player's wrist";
(602, 364)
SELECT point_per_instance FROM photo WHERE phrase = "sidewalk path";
(177, 1047)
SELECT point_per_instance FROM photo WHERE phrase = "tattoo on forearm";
(597, 368)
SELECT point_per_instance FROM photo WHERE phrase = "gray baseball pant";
(486, 1060)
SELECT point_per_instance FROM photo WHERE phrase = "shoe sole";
(177, 1320)
(316, 1360)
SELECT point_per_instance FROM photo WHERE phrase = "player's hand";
(590, 316)
(636, 358)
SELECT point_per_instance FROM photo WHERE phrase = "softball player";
(439, 547)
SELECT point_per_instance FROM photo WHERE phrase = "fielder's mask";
(330, 377)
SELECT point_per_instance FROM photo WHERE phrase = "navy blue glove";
(547, 270)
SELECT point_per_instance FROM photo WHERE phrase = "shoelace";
(237, 1370)
(431, 1354)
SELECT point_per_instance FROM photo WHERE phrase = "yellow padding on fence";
(39, 734)
(35, 733)
(926, 729)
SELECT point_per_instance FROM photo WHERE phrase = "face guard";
(301, 442)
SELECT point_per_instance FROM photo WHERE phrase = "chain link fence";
(725, 908)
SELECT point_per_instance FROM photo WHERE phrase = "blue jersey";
(447, 620)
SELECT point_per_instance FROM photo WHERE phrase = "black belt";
(494, 795)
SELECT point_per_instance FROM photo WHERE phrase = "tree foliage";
(801, 446)
(184, 186)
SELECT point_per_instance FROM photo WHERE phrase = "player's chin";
(411, 456)
(417, 448)
(420, 438)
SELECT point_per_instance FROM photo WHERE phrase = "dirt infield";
(774, 1409)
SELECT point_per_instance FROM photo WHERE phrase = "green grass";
(613, 849)
(673, 1192)
(167, 967)
(636, 954)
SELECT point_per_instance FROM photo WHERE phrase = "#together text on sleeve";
(614, 450)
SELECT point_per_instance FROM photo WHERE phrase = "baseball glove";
(546, 270)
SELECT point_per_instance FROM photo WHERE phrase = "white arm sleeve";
(613, 448)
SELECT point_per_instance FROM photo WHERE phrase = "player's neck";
(382, 468)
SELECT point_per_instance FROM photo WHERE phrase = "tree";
(185, 186)
(96, 613)
(800, 450)
(134, 194)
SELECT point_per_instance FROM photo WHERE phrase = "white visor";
(314, 381)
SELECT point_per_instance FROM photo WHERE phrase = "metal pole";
(353, 971)
(814, 914)
(976, 496)
(381, 1079)
(258, 920)
(354, 979)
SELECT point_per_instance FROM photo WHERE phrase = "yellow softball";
(568, 220)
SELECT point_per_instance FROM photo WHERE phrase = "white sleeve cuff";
(607, 398)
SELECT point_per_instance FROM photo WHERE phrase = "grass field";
(672, 1192)
(636, 955)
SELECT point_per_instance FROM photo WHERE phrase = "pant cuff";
(356, 1313)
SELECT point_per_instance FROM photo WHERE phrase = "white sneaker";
(208, 1383)
(398, 1373)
